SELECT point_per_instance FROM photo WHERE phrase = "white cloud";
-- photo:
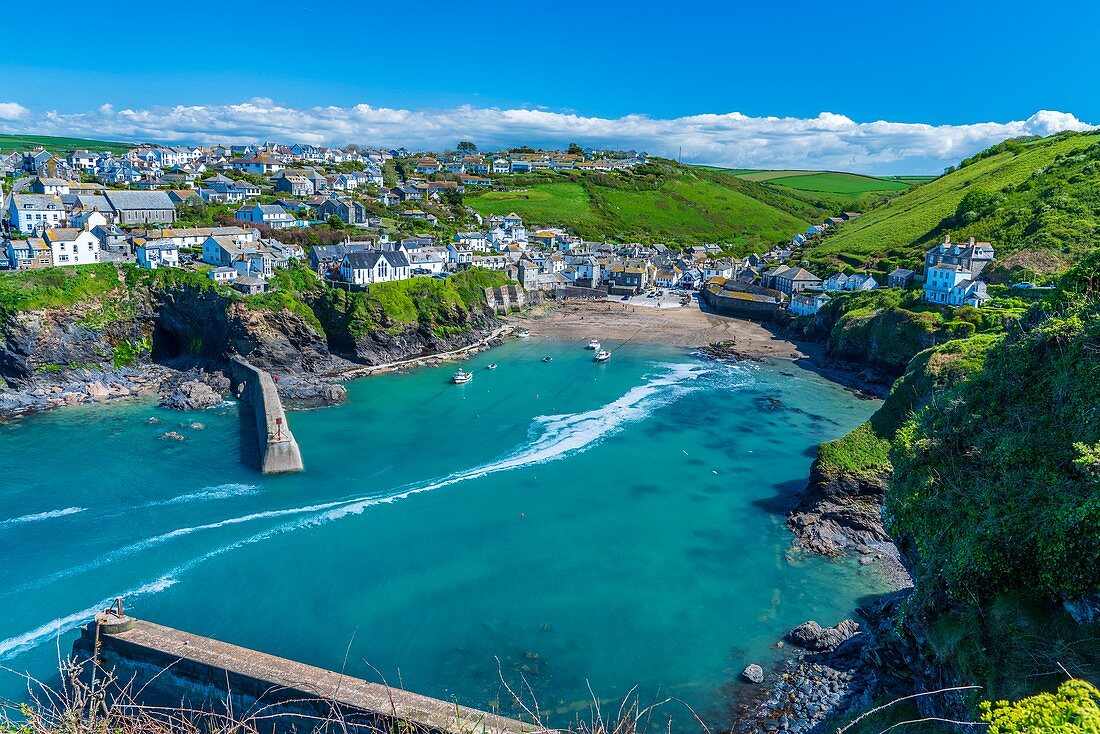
(12, 111)
(828, 141)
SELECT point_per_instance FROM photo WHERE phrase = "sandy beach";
(686, 326)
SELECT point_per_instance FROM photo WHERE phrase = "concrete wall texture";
(279, 451)
(177, 669)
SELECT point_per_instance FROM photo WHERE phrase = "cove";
(569, 524)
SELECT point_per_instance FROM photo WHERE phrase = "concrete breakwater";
(279, 451)
(176, 669)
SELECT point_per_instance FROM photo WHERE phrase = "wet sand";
(686, 326)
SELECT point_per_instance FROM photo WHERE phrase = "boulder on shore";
(192, 395)
(812, 636)
(753, 673)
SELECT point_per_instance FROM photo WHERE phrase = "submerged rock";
(753, 673)
(173, 436)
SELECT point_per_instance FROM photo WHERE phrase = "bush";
(1073, 709)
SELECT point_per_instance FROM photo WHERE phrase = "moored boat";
(492, 366)
(523, 334)
(461, 377)
(603, 355)
(547, 359)
(594, 344)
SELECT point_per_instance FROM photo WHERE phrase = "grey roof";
(123, 200)
(369, 259)
(36, 201)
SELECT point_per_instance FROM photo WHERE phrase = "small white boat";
(523, 334)
(461, 377)
(547, 359)
(603, 355)
(492, 366)
(594, 344)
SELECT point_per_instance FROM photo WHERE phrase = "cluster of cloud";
(827, 141)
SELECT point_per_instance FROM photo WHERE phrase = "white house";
(860, 282)
(836, 282)
(718, 269)
(953, 285)
(158, 254)
(34, 212)
(459, 254)
(374, 266)
(222, 276)
(272, 215)
(71, 246)
(807, 303)
(476, 241)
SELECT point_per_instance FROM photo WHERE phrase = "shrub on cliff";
(1073, 709)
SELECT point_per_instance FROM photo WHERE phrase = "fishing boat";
(603, 355)
(461, 377)
(547, 359)
(594, 344)
(492, 366)
(523, 334)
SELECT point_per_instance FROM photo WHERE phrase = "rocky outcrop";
(192, 395)
(815, 638)
(840, 513)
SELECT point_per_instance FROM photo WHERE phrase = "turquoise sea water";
(584, 525)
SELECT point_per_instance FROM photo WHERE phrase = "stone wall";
(279, 451)
(173, 668)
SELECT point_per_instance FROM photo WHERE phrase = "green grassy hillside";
(658, 202)
(9, 143)
(1037, 201)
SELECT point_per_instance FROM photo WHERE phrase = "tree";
(575, 149)
(467, 147)
(335, 222)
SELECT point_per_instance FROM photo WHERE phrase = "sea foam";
(40, 516)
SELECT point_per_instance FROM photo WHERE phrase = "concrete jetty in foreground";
(177, 669)
(279, 451)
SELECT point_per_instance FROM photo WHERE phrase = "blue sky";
(933, 63)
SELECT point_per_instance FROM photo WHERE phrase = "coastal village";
(400, 215)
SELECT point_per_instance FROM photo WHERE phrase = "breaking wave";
(551, 438)
(40, 516)
(220, 492)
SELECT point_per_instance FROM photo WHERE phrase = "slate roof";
(130, 200)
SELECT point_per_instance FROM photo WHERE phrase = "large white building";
(35, 212)
(951, 273)
(374, 266)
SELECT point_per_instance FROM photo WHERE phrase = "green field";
(661, 202)
(1034, 199)
(837, 183)
(9, 143)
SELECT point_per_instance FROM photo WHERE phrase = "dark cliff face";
(184, 327)
(838, 513)
(385, 342)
